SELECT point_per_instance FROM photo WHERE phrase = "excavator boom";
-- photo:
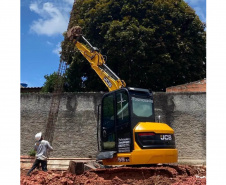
(96, 60)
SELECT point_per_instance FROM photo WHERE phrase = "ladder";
(55, 102)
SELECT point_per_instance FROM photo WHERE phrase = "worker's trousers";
(36, 164)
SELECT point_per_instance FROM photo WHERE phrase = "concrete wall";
(75, 130)
(186, 114)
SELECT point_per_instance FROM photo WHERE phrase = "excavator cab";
(128, 132)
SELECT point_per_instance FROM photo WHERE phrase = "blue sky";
(42, 25)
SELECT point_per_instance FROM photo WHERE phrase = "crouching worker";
(41, 147)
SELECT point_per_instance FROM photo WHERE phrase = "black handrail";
(98, 126)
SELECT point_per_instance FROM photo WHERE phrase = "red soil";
(160, 175)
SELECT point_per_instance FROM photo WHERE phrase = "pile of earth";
(159, 175)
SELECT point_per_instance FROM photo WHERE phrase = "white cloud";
(34, 7)
(49, 43)
(53, 19)
(57, 50)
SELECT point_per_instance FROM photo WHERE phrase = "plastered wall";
(75, 129)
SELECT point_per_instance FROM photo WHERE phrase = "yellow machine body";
(146, 156)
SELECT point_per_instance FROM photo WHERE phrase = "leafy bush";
(32, 152)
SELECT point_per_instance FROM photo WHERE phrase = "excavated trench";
(159, 175)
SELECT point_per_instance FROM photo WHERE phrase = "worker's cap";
(38, 136)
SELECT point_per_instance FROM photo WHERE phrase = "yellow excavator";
(127, 132)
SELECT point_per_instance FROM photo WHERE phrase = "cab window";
(142, 107)
(122, 107)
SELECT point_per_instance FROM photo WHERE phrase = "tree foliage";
(49, 83)
(150, 44)
(54, 80)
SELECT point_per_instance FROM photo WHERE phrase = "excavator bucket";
(74, 32)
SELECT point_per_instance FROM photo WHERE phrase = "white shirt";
(42, 147)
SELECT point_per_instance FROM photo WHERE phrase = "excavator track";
(166, 171)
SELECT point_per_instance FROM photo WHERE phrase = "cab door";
(108, 136)
(116, 133)
(123, 122)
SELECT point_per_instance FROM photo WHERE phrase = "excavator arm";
(96, 60)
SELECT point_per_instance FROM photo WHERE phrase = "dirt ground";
(158, 175)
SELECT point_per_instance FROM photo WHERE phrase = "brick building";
(197, 86)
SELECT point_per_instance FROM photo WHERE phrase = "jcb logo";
(108, 82)
(165, 137)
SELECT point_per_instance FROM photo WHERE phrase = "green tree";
(50, 82)
(150, 44)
